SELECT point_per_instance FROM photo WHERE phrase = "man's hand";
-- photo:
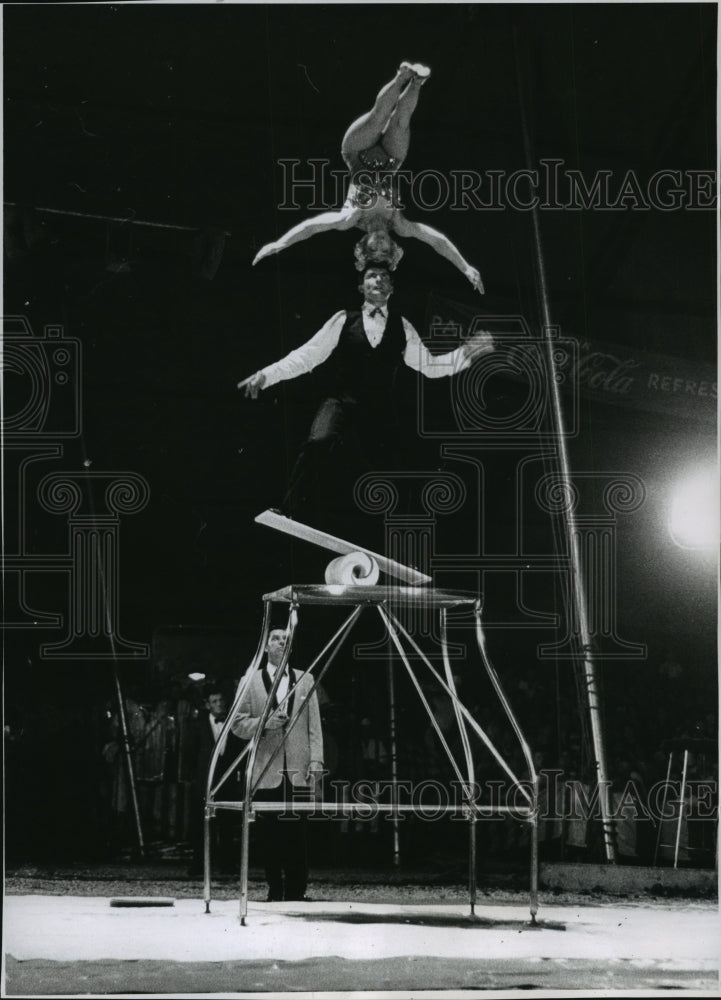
(479, 343)
(314, 778)
(265, 251)
(252, 385)
(474, 276)
(277, 720)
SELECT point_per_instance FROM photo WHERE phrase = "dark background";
(178, 116)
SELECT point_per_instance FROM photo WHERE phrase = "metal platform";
(388, 602)
(327, 593)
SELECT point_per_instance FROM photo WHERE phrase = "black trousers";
(347, 437)
(283, 841)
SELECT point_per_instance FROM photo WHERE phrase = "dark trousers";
(347, 437)
(283, 841)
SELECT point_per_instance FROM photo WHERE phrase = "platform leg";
(472, 880)
(206, 859)
(534, 866)
(244, 842)
(470, 769)
(394, 760)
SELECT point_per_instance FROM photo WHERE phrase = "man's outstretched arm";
(419, 358)
(300, 361)
(441, 244)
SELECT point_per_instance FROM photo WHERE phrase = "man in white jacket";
(288, 764)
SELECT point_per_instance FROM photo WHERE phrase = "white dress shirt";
(282, 689)
(280, 694)
(320, 347)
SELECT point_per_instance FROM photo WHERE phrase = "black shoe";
(272, 898)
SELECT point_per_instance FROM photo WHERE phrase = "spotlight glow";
(694, 515)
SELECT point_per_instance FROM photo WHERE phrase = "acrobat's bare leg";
(397, 135)
(344, 218)
(367, 130)
(441, 244)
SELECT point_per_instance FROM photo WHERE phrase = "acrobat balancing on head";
(374, 148)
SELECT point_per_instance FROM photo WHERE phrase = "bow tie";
(375, 311)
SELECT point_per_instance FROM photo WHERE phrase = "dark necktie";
(376, 311)
(268, 682)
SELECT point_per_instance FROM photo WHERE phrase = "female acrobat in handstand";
(374, 147)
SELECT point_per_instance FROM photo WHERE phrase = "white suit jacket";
(303, 743)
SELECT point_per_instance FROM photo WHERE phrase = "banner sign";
(611, 373)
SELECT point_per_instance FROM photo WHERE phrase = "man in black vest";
(365, 349)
